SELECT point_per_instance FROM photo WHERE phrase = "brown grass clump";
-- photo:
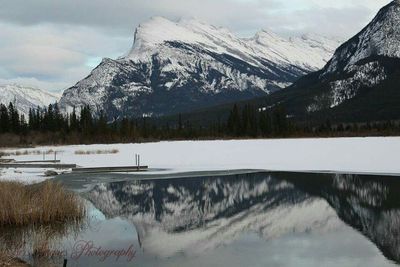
(30, 152)
(41, 245)
(98, 152)
(43, 203)
(8, 260)
(13, 262)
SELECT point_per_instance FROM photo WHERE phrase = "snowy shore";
(366, 155)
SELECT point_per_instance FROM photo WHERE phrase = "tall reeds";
(44, 203)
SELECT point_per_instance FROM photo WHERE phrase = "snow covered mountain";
(181, 66)
(360, 82)
(359, 59)
(25, 98)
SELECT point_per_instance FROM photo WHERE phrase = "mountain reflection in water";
(194, 215)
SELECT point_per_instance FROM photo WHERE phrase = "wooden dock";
(36, 161)
(55, 164)
(37, 166)
(111, 169)
(6, 160)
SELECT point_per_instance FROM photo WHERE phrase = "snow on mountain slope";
(381, 37)
(181, 66)
(360, 60)
(359, 83)
(309, 51)
(25, 98)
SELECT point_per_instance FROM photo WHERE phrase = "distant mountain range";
(25, 98)
(182, 66)
(360, 83)
(192, 67)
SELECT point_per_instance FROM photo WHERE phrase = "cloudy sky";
(52, 44)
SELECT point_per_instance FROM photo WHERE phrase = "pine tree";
(73, 120)
(234, 124)
(14, 118)
(4, 119)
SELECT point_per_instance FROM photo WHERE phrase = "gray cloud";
(123, 15)
(53, 54)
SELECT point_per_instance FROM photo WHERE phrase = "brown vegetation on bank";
(28, 152)
(32, 216)
(96, 152)
(43, 203)
(9, 261)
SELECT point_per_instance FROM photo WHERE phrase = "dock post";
(138, 162)
(44, 156)
(55, 156)
(65, 263)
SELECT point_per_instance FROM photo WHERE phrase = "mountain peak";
(359, 83)
(266, 33)
(381, 37)
(158, 30)
(396, 2)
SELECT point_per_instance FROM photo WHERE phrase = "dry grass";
(33, 218)
(41, 245)
(45, 249)
(29, 152)
(43, 203)
(7, 259)
(98, 152)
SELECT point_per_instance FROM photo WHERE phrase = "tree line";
(50, 126)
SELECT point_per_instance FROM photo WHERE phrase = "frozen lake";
(287, 202)
(360, 155)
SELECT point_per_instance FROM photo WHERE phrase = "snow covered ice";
(364, 155)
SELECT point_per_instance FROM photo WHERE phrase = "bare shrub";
(96, 152)
(31, 152)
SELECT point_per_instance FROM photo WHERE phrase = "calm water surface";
(256, 219)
